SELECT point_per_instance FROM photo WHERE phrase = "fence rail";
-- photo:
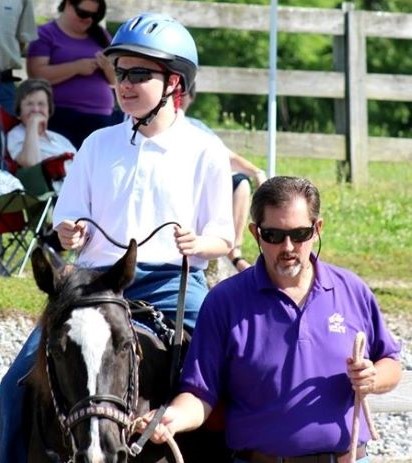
(397, 401)
(348, 83)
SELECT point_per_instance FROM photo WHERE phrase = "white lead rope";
(358, 355)
(135, 449)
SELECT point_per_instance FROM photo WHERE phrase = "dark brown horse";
(96, 372)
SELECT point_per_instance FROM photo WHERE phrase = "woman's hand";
(86, 66)
(106, 66)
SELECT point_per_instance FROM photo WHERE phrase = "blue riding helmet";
(160, 37)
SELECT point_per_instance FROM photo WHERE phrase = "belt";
(7, 76)
(253, 456)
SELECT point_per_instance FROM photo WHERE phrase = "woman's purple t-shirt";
(87, 94)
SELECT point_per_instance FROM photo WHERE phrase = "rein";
(137, 447)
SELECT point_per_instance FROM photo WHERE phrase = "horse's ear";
(122, 273)
(42, 271)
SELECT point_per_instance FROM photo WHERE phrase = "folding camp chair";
(24, 215)
(22, 218)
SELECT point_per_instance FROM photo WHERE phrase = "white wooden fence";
(348, 83)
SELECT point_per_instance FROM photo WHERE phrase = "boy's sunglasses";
(135, 75)
(84, 14)
(277, 235)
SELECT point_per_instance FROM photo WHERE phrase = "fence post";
(340, 106)
(356, 100)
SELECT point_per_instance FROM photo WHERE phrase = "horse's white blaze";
(91, 332)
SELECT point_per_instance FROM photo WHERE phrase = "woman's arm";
(39, 67)
(242, 165)
(30, 154)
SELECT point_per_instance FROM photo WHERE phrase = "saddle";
(147, 316)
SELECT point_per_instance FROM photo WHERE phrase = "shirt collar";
(166, 138)
(263, 282)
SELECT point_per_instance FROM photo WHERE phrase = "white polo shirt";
(178, 175)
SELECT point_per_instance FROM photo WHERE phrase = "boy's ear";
(174, 82)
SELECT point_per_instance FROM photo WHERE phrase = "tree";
(300, 51)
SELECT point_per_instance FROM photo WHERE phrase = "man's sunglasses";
(84, 14)
(277, 235)
(135, 75)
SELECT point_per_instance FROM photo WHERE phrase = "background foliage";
(305, 52)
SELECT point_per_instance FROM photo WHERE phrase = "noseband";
(106, 406)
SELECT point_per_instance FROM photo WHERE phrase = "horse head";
(89, 351)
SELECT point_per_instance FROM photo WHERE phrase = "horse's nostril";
(81, 457)
(121, 456)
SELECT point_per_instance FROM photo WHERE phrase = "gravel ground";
(394, 445)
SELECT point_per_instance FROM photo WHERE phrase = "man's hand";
(362, 375)
(165, 429)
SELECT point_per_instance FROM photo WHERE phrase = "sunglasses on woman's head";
(135, 75)
(84, 14)
(277, 235)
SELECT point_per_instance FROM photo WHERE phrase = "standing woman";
(68, 53)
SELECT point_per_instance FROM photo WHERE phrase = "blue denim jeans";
(156, 285)
(8, 96)
(11, 402)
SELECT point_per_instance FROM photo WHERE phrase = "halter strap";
(86, 301)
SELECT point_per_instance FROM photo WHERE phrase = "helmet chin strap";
(146, 120)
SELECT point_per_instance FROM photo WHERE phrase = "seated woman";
(29, 142)
(9, 183)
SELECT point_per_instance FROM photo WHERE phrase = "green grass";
(21, 293)
(366, 230)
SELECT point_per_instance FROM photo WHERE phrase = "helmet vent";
(151, 28)
(136, 23)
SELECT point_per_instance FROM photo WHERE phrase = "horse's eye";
(56, 350)
(126, 346)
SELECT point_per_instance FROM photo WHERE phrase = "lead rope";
(136, 448)
(360, 401)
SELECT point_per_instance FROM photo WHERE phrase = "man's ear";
(319, 225)
(254, 231)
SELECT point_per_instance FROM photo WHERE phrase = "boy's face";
(139, 98)
(34, 103)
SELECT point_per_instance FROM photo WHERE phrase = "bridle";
(107, 406)
(87, 408)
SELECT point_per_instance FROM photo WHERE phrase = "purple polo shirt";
(87, 94)
(282, 370)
